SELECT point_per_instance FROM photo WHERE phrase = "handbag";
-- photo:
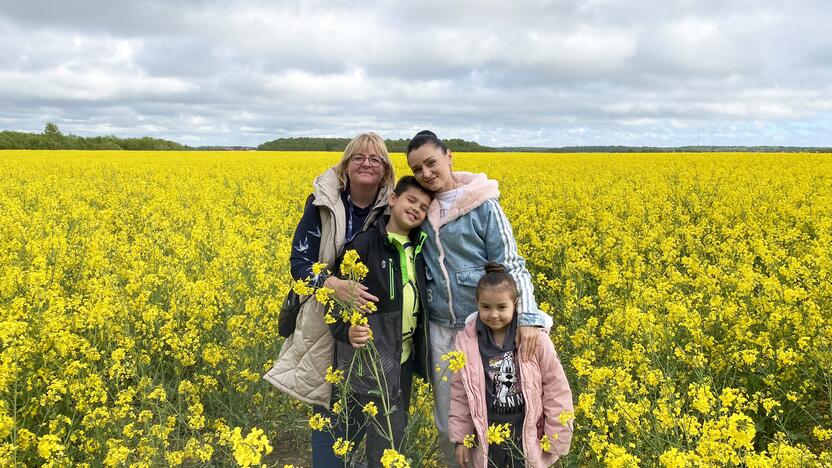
(289, 312)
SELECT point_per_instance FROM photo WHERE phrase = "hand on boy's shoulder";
(350, 292)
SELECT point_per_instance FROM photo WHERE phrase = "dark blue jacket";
(384, 280)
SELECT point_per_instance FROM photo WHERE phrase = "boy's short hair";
(407, 182)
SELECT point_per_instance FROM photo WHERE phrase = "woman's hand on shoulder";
(527, 337)
(350, 292)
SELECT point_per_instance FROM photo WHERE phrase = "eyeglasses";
(358, 159)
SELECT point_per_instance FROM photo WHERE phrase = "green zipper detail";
(418, 249)
(403, 264)
(392, 281)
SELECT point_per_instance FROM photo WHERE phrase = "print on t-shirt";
(507, 396)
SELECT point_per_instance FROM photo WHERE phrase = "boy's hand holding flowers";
(359, 335)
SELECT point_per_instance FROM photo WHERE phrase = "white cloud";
(73, 84)
(295, 84)
(532, 73)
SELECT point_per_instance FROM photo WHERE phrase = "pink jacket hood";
(477, 189)
(544, 387)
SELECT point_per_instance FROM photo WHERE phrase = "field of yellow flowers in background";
(139, 294)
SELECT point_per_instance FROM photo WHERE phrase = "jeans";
(322, 456)
(322, 441)
(441, 341)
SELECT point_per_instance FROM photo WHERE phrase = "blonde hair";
(375, 144)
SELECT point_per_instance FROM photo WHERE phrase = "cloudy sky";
(520, 72)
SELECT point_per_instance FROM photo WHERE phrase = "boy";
(391, 250)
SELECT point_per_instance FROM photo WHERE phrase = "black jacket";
(384, 281)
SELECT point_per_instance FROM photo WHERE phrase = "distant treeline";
(338, 144)
(670, 149)
(456, 144)
(53, 139)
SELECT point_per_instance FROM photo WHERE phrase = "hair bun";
(494, 267)
(425, 137)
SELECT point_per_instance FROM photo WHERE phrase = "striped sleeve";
(502, 248)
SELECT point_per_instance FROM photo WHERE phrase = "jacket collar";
(477, 189)
(327, 193)
(416, 236)
(326, 188)
(471, 325)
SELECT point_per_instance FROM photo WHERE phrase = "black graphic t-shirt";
(502, 377)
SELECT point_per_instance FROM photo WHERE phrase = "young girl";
(495, 387)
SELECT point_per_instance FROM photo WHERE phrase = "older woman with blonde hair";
(347, 198)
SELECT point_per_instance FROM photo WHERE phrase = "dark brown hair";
(496, 277)
(407, 182)
(422, 138)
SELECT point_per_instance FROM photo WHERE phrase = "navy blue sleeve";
(340, 329)
(306, 242)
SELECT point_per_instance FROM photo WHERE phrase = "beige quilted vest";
(304, 357)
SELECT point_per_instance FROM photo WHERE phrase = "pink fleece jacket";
(544, 388)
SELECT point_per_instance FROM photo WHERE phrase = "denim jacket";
(474, 231)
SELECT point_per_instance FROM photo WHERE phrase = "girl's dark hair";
(424, 137)
(496, 277)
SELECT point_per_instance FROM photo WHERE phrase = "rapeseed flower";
(324, 295)
(342, 447)
(565, 416)
(689, 292)
(301, 288)
(498, 433)
(456, 360)
(356, 318)
(318, 422)
(545, 443)
(250, 449)
(370, 409)
(334, 376)
(318, 268)
(822, 434)
(352, 267)
(49, 445)
(393, 459)
(470, 441)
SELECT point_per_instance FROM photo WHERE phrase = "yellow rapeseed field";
(139, 294)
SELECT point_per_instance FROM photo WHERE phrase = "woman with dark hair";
(348, 198)
(466, 228)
